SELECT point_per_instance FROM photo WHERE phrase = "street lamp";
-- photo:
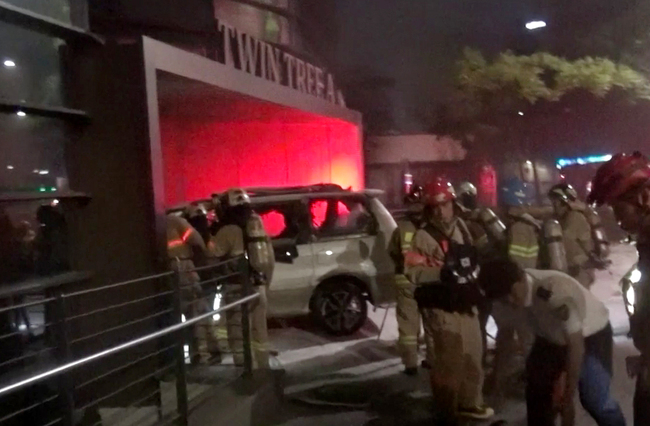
(535, 25)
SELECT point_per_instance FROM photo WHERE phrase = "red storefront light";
(267, 147)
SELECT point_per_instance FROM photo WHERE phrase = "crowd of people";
(194, 242)
(458, 263)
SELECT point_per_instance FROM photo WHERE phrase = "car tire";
(339, 307)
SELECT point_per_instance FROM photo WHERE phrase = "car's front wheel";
(339, 307)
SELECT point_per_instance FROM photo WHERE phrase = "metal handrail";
(120, 284)
(119, 348)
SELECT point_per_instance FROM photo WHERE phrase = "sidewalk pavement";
(357, 380)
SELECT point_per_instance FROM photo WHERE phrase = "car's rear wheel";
(339, 307)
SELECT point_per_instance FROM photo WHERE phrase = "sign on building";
(263, 60)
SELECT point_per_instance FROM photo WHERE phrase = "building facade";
(202, 96)
(39, 121)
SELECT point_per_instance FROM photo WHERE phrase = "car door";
(287, 224)
(343, 237)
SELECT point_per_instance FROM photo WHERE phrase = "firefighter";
(467, 203)
(523, 229)
(184, 244)
(576, 231)
(197, 216)
(489, 235)
(573, 342)
(624, 184)
(242, 233)
(408, 317)
(521, 246)
(442, 263)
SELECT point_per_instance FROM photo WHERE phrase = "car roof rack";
(304, 189)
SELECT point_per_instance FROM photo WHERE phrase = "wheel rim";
(341, 310)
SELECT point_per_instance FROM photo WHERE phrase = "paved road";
(357, 380)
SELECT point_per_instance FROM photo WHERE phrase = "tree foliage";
(542, 76)
(515, 98)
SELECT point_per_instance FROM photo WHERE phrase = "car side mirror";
(286, 253)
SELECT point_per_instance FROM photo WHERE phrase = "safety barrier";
(90, 362)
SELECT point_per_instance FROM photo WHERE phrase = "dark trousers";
(545, 364)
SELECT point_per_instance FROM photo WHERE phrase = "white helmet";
(237, 197)
(467, 188)
(194, 210)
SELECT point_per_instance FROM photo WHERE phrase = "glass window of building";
(30, 67)
(57, 9)
(33, 234)
(277, 29)
(258, 22)
(32, 154)
(33, 172)
(33, 240)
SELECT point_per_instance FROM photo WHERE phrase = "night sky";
(417, 42)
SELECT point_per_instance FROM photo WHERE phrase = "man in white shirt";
(573, 342)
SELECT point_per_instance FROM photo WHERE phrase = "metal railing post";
(181, 376)
(247, 288)
(64, 355)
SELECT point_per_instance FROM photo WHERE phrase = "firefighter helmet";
(439, 191)
(468, 195)
(415, 196)
(195, 210)
(467, 188)
(514, 192)
(621, 174)
(236, 197)
(564, 192)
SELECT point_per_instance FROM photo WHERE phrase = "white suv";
(331, 252)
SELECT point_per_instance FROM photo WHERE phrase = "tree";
(514, 95)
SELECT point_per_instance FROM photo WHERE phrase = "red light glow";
(487, 193)
(273, 223)
(202, 157)
(318, 211)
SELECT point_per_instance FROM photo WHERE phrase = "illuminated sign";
(563, 162)
(263, 60)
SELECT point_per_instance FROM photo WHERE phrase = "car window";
(337, 217)
(285, 221)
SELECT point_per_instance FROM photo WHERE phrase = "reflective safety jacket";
(399, 246)
(424, 261)
(523, 240)
(478, 233)
(181, 237)
(231, 241)
(578, 241)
